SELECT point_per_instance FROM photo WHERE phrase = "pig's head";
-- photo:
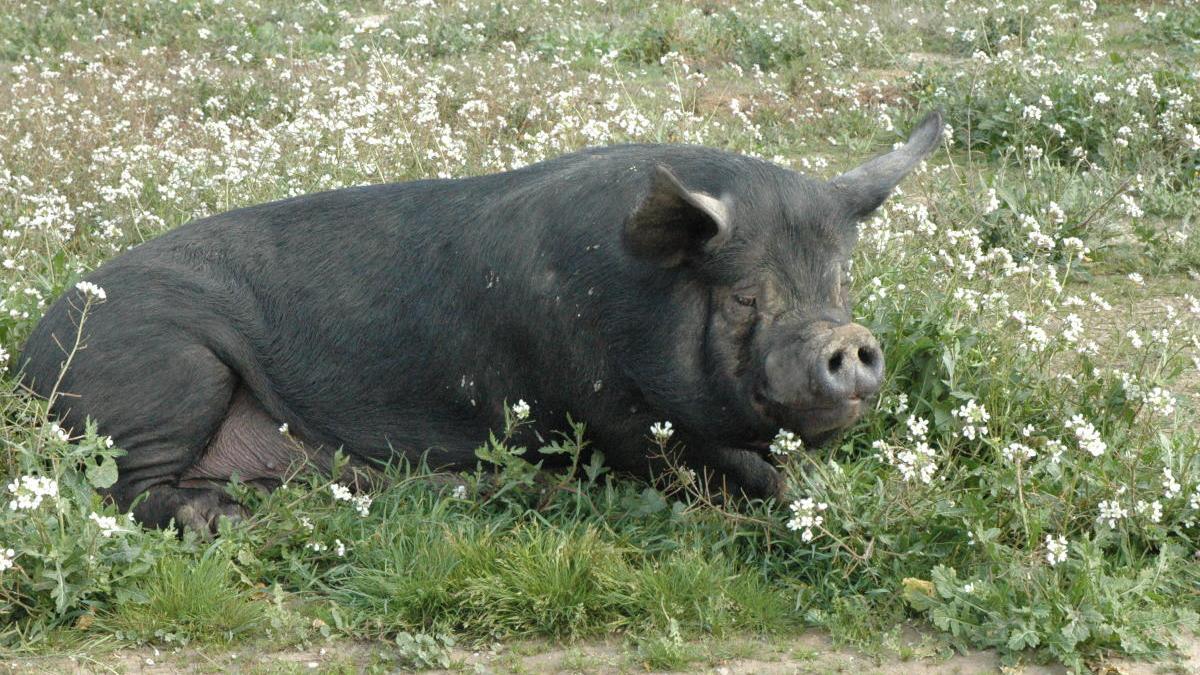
(765, 264)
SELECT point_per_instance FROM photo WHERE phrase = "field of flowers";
(1029, 481)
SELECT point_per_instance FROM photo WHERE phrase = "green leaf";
(102, 475)
(1023, 638)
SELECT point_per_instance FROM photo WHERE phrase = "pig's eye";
(745, 300)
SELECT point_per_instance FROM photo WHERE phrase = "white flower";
(1154, 508)
(1056, 549)
(59, 433)
(786, 442)
(90, 290)
(29, 491)
(805, 516)
(362, 504)
(283, 429)
(459, 492)
(686, 476)
(520, 410)
(341, 493)
(1087, 435)
(1018, 451)
(1038, 338)
(974, 417)
(993, 202)
(918, 427)
(7, 555)
(339, 548)
(1171, 487)
(1160, 401)
(107, 524)
(1056, 449)
(1111, 512)
(1132, 209)
(916, 463)
(661, 431)
(1136, 278)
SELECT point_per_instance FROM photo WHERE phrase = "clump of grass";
(184, 600)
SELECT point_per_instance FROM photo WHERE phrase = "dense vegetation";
(1029, 482)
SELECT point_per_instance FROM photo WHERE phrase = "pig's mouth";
(814, 422)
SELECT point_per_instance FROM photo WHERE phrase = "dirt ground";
(810, 652)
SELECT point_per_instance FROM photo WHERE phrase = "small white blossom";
(1087, 435)
(786, 442)
(916, 463)
(806, 516)
(1160, 401)
(1111, 512)
(340, 492)
(29, 491)
(107, 524)
(59, 433)
(661, 431)
(90, 290)
(1154, 509)
(362, 504)
(283, 429)
(1056, 450)
(1056, 549)
(918, 427)
(993, 202)
(1171, 487)
(1018, 451)
(520, 410)
(974, 417)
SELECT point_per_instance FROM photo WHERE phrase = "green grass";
(124, 118)
(186, 599)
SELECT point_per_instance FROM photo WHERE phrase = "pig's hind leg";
(161, 402)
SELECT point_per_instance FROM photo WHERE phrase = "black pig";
(624, 285)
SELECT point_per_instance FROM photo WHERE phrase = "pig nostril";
(867, 356)
(835, 362)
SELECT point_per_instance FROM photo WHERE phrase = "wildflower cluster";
(361, 502)
(806, 515)
(786, 443)
(29, 491)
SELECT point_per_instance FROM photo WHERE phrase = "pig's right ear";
(865, 188)
(673, 223)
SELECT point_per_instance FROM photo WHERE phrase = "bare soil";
(810, 652)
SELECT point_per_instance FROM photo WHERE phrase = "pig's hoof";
(202, 514)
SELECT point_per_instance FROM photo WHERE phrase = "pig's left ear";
(673, 223)
(864, 189)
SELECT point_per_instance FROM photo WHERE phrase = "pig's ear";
(673, 223)
(862, 190)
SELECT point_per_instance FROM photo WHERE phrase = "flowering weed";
(1030, 476)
